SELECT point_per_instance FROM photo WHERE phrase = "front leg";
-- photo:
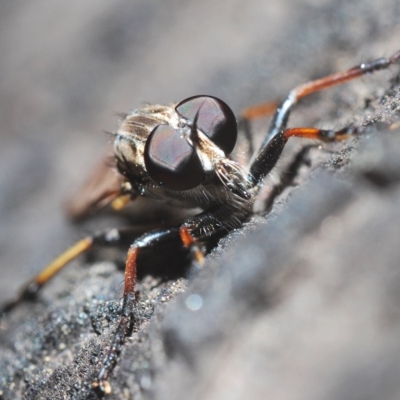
(278, 135)
(196, 236)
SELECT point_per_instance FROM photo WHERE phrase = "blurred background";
(67, 69)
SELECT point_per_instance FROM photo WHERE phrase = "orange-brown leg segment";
(345, 76)
(324, 135)
(29, 291)
(147, 242)
(195, 248)
(260, 110)
(33, 286)
(251, 113)
(124, 323)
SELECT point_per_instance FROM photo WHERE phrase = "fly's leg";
(196, 231)
(260, 110)
(278, 135)
(196, 251)
(113, 237)
(251, 113)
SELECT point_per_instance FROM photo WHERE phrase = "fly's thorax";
(131, 137)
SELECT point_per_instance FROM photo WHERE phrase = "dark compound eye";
(215, 119)
(171, 161)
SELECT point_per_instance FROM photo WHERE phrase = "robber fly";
(180, 154)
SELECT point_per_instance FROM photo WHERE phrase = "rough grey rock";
(300, 303)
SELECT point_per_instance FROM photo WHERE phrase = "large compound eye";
(171, 161)
(214, 118)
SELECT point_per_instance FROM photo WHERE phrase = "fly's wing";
(102, 187)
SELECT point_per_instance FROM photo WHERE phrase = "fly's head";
(181, 152)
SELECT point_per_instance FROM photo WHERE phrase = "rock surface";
(302, 303)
